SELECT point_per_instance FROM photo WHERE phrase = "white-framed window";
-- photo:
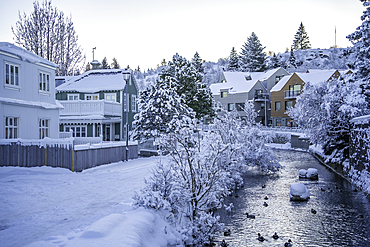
(125, 102)
(133, 103)
(78, 130)
(110, 97)
(44, 82)
(92, 96)
(11, 74)
(230, 106)
(11, 127)
(277, 106)
(44, 128)
(223, 94)
(74, 96)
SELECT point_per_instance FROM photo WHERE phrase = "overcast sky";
(144, 32)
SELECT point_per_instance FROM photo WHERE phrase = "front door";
(107, 133)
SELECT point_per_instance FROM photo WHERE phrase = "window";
(43, 128)
(11, 74)
(277, 106)
(110, 97)
(73, 97)
(11, 127)
(44, 82)
(92, 97)
(239, 106)
(262, 106)
(296, 88)
(230, 106)
(125, 102)
(133, 103)
(288, 104)
(78, 130)
(278, 78)
(223, 94)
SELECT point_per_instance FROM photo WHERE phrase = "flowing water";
(342, 218)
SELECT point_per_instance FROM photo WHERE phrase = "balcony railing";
(90, 107)
(259, 97)
(291, 94)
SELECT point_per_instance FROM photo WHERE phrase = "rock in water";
(302, 173)
(299, 192)
(312, 173)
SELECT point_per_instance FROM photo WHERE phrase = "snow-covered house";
(95, 103)
(237, 87)
(285, 92)
(28, 108)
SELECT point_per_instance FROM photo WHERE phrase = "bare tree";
(51, 35)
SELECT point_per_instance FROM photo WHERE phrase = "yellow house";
(285, 92)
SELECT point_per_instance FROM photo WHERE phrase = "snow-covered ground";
(46, 206)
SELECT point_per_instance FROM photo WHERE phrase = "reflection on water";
(342, 218)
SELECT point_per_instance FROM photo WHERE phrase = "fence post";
(72, 153)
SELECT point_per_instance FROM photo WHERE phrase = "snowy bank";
(45, 206)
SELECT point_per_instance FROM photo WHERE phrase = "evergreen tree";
(163, 63)
(275, 63)
(197, 63)
(361, 47)
(159, 105)
(233, 61)
(104, 63)
(49, 34)
(292, 60)
(88, 67)
(252, 56)
(187, 83)
(115, 64)
(301, 40)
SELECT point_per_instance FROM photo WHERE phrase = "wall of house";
(271, 82)
(30, 111)
(131, 90)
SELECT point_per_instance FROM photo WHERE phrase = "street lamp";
(126, 78)
(265, 100)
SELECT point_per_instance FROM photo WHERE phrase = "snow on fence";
(62, 153)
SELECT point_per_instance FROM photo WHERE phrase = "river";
(342, 218)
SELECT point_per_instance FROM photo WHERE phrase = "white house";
(237, 87)
(97, 103)
(28, 108)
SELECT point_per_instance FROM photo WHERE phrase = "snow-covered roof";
(280, 84)
(94, 81)
(241, 82)
(10, 49)
(314, 76)
(44, 105)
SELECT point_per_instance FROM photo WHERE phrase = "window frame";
(106, 95)
(44, 81)
(44, 128)
(11, 127)
(286, 105)
(230, 106)
(277, 103)
(133, 103)
(92, 95)
(223, 94)
(78, 130)
(73, 95)
(15, 77)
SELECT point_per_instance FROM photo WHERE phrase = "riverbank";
(359, 179)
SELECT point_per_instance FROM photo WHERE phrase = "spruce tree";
(115, 64)
(275, 63)
(252, 56)
(292, 60)
(197, 63)
(181, 75)
(301, 40)
(233, 61)
(104, 63)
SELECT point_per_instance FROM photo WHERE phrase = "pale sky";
(144, 32)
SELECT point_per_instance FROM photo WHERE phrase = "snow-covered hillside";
(333, 58)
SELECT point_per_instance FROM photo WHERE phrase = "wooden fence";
(62, 153)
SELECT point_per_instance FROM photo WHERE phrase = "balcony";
(291, 94)
(90, 107)
(261, 97)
